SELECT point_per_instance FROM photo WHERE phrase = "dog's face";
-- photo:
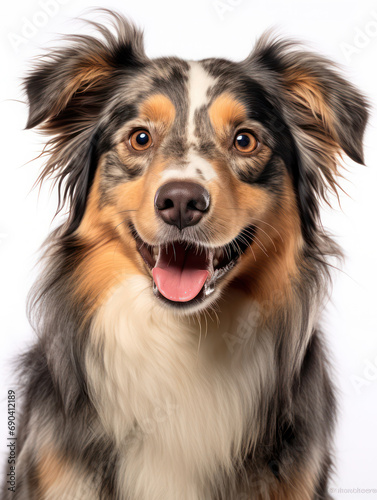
(205, 174)
(194, 172)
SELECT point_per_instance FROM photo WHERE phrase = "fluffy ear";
(325, 114)
(67, 91)
(86, 64)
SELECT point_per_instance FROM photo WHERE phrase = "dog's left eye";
(245, 142)
(140, 140)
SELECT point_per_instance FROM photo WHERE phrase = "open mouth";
(185, 273)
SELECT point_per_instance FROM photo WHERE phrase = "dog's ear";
(67, 91)
(84, 65)
(325, 114)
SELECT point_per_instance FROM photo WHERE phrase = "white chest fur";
(176, 394)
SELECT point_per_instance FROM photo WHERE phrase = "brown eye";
(140, 140)
(245, 142)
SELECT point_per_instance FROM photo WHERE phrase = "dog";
(178, 352)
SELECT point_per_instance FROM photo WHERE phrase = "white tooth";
(209, 288)
(215, 262)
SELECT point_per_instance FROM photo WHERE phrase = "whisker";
(259, 220)
(256, 242)
(274, 228)
(227, 251)
(249, 246)
(200, 334)
(237, 247)
(120, 223)
(268, 236)
(256, 239)
(253, 253)
(265, 253)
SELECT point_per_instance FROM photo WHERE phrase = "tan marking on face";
(265, 271)
(109, 251)
(158, 108)
(156, 115)
(226, 111)
(138, 196)
(233, 206)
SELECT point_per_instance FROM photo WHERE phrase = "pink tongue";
(179, 273)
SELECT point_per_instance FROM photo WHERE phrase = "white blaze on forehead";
(199, 83)
(196, 168)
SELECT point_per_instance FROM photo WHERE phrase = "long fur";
(125, 398)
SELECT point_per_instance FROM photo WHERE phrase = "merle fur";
(53, 377)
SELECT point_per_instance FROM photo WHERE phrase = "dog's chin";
(186, 276)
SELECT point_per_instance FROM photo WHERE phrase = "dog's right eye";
(140, 140)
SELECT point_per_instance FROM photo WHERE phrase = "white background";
(346, 31)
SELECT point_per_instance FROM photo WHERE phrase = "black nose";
(181, 204)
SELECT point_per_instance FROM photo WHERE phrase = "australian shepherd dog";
(178, 354)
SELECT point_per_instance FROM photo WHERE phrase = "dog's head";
(204, 173)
